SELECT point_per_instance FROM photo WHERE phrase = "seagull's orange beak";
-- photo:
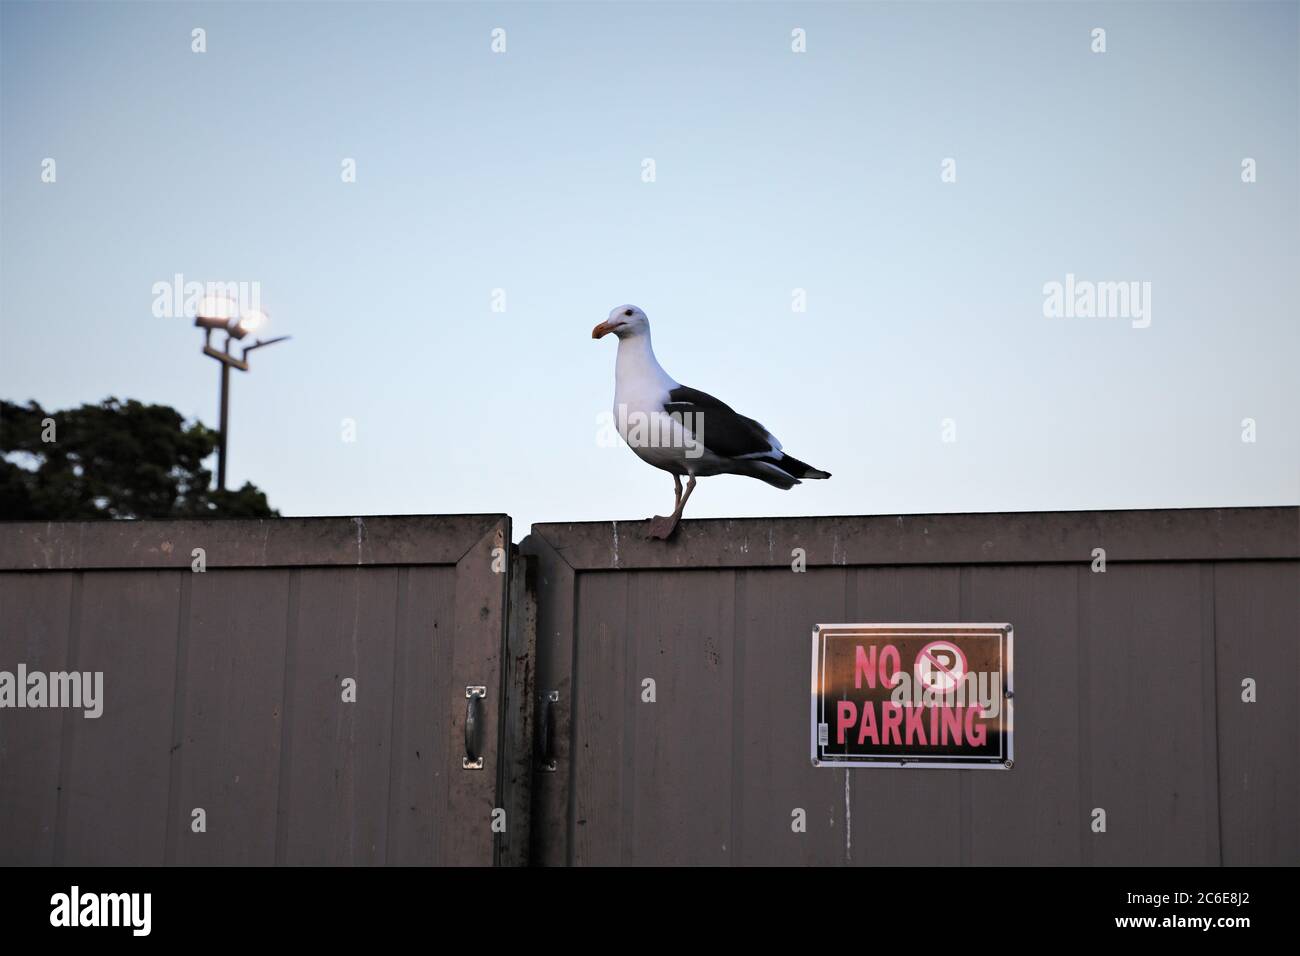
(605, 328)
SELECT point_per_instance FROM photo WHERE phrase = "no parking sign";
(912, 695)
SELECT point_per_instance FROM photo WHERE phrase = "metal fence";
(599, 698)
(1129, 689)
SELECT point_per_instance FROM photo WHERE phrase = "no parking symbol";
(940, 666)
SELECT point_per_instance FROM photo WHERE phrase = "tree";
(112, 460)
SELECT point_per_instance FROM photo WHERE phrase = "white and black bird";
(682, 430)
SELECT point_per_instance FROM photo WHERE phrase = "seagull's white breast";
(641, 388)
(640, 394)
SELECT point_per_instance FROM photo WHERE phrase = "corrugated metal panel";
(223, 690)
(1128, 689)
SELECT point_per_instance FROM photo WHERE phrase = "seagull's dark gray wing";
(717, 425)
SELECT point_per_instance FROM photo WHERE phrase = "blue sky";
(775, 171)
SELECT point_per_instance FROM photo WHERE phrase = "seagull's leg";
(681, 505)
(661, 527)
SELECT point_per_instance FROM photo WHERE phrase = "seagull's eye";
(627, 311)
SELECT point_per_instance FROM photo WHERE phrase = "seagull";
(682, 430)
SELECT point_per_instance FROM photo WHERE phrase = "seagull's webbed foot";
(662, 527)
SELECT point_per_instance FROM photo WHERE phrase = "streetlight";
(219, 313)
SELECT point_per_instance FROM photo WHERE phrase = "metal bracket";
(546, 732)
(473, 759)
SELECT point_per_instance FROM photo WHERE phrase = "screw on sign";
(940, 666)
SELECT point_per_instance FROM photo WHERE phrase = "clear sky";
(774, 171)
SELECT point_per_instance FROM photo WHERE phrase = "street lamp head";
(216, 312)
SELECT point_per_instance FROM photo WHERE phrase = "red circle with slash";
(933, 673)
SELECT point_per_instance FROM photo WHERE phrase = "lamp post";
(221, 314)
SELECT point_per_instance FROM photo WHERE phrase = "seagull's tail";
(783, 473)
(799, 469)
(766, 471)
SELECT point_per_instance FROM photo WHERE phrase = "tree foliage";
(112, 460)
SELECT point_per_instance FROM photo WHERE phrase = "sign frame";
(1004, 632)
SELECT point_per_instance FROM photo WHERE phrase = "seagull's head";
(624, 321)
